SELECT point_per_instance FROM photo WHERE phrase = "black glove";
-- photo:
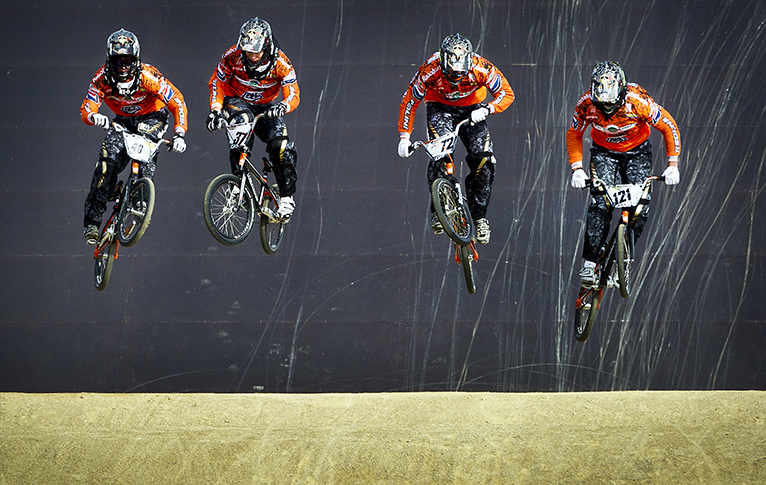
(277, 111)
(215, 121)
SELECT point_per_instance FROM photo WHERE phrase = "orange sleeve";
(407, 109)
(669, 129)
(574, 147)
(500, 89)
(175, 101)
(216, 91)
(93, 99)
(291, 93)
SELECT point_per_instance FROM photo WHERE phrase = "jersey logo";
(131, 109)
(252, 96)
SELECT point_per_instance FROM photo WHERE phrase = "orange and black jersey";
(430, 84)
(230, 79)
(627, 128)
(154, 92)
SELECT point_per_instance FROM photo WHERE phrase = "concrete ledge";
(607, 437)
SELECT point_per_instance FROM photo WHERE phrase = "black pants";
(442, 119)
(113, 160)
(632, 167)
(271, 131)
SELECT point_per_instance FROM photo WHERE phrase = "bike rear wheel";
(136, 212)
(585, 312)
(466, 261)
(272, 233)
(104, 263)
(228, 220)
(452, 212)
(624, 258)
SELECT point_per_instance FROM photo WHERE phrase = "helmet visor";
(252, 41)
(606, 89)
(457, 62)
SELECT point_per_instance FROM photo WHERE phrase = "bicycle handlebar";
(119, 127)
(596, 182)
(420, 144)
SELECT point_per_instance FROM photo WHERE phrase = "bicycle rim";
(586, 309)
(229, 221)
(624, 258)
(136, 212)
(452, 212)
(104, 263)
(466, 261)
(272, 233)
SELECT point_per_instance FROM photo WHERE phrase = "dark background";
(362, 297)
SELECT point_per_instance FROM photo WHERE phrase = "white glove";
(479, 114)
(404, 147)
(100, 120)
(179, 145)
(671, 175)
(579, 177)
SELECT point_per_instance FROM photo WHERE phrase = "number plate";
(624, 195)
(441, 147)
(238, 134)
(138, 147)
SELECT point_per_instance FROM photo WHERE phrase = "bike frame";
(139, 149)
(238, 135)
(631, 198)
(442, 148)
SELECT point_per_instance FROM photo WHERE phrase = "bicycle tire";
(228, 223)
(466, 261)
(136, 212)
(272, 233)
(452, 212)
(104, 264)
(624, 258)
(586, 309)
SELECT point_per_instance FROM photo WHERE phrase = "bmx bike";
(133, 206)
(232, 200)
(449, 202)
(613, 267)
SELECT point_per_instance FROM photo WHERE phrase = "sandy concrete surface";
(607, 437)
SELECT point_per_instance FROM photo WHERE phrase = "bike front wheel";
(272, 232)
(585, 312)
(136, 212)
(104, 263)
(452, 212)
(624, 258)
(466, 261)
(227, 218)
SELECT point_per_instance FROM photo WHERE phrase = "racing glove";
(579, 177)
(479, 114)
(215, 121)
(100, 120)
(404, 146)
(178, 145)
(277, 111)
(671, 175)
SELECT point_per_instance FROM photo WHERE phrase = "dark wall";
(362, 297)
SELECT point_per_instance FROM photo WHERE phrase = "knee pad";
(477, 161)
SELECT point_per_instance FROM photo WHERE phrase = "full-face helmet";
(608, 87)
(255, 37)
(123, 61)
(456, 57)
